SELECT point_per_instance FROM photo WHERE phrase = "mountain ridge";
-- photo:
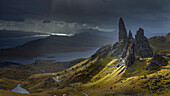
(55, 44)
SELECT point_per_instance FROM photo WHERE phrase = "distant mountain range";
(54, 44)
(14, 33)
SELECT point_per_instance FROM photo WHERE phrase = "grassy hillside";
(134, 80)
(97, 75)
(16, 74)
(107, 81)
(48, 66)
(161, 44)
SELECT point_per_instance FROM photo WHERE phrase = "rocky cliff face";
(130, 47)
(127, 48)
(130, 57)
(129, 43)
(127, 56)
(122, 30)
(142, 47)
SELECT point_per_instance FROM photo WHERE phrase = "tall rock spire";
(142, 47)
(122, 30)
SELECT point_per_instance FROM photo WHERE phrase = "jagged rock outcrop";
(130, 47)
(128, 52)
(118, 48)
(127, 47)
(129, 42)
(142, 47)
(122, 30)
(157, 62)
(130, 57)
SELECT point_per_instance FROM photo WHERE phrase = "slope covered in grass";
(161, 44)
(134, 82)
(97, 75)
(16, 74)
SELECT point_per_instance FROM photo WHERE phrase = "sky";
(75, 16)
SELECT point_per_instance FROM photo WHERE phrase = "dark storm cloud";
(18, 10)
(97, 12)
(105, 10)
(86, 10)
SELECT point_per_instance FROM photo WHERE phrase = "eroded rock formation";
(122, 30)
(130, 47)
(130, 57)
(142, 47)
(127, 48)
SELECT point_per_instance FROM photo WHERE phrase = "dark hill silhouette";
(53, 44)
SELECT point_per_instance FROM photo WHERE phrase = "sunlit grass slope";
(134, 81)
(85, 71)
(97, 75)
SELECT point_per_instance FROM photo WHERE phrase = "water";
(19, 89)
(8, 42)
(58, 57)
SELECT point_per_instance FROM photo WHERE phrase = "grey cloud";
(50, 27)
(86, 10)
(102, 13)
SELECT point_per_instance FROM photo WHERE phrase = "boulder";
(157, 62)
(48, 82)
